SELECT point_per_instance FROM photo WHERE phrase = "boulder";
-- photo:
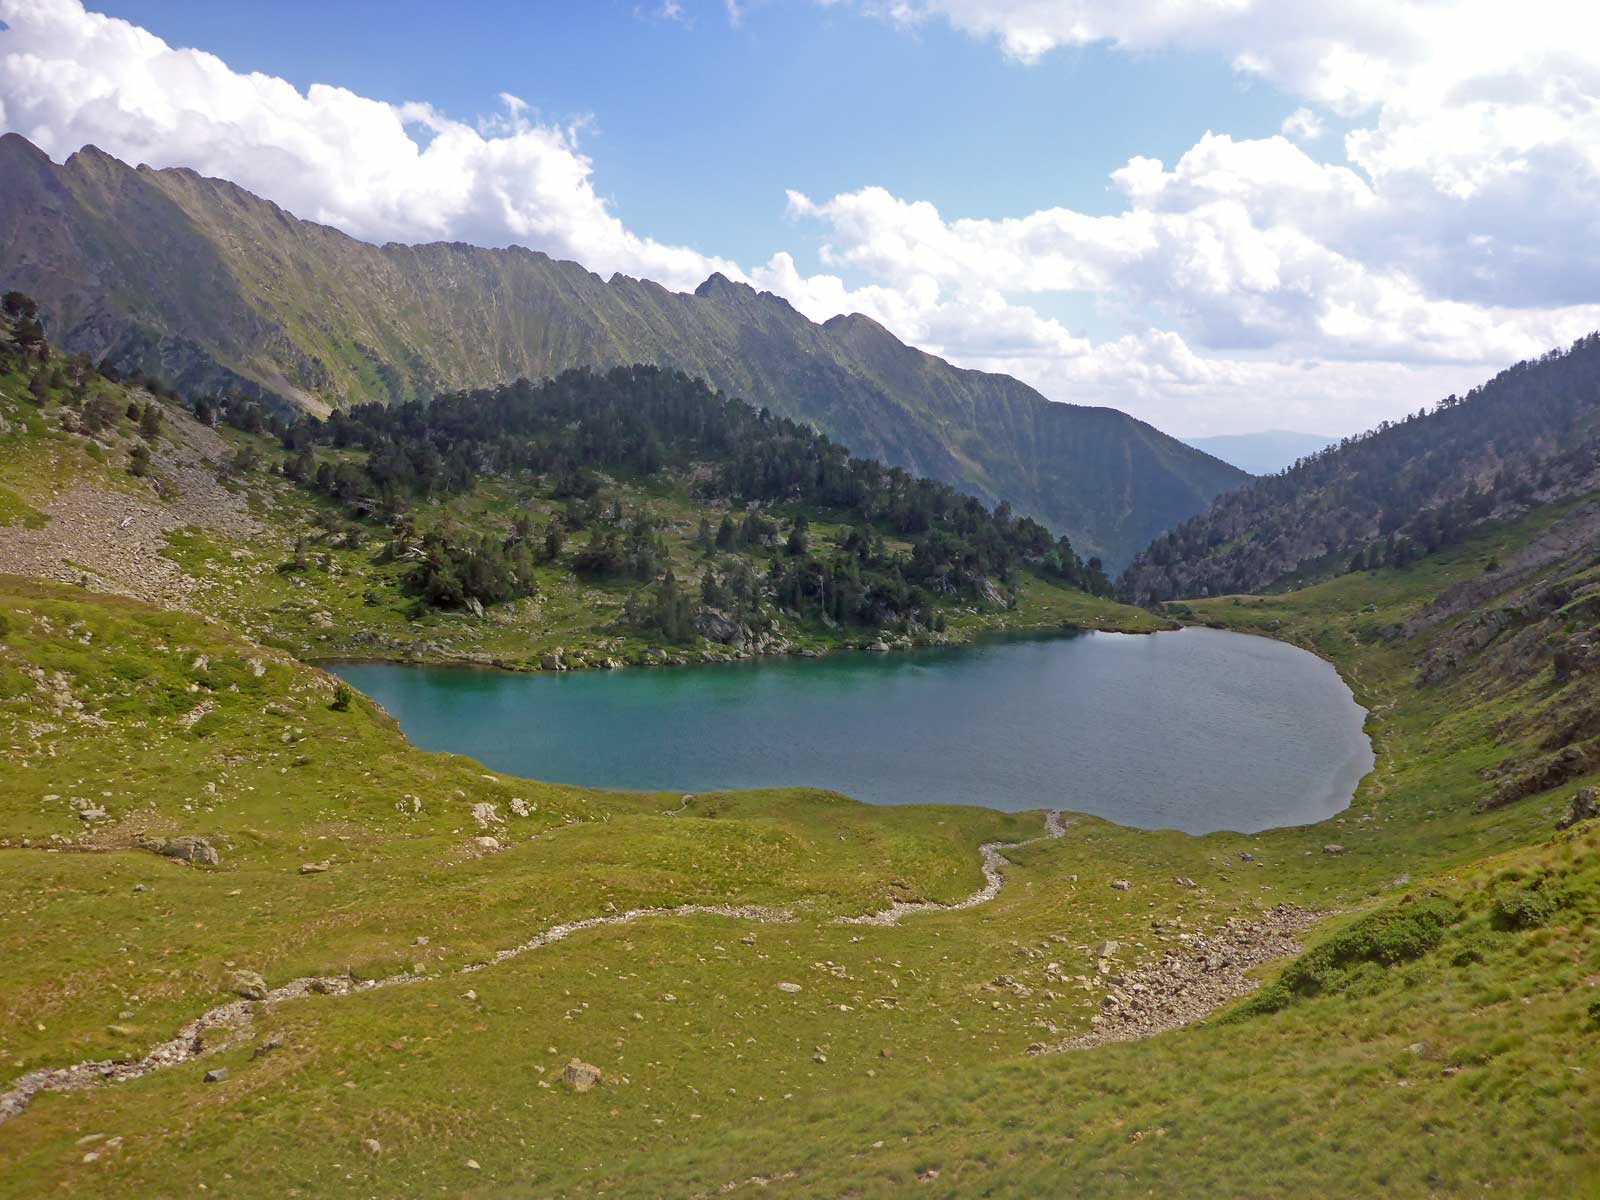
(580, 1076)
(486, 843)
(313, 868)
(1584, 806)
(717, 626)
(191, 849)
(216, 1074)
(248, 984)
(1333, 848)
(1121, 885)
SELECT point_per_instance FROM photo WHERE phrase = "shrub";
(341, 698)
(1522, 908)
(1361, 951)
(5, 626)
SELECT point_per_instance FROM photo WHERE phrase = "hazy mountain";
(201, 282)
(1529, 436)
(1261, 453)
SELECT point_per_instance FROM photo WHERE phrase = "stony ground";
(115, 539)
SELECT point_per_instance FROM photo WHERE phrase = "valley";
(778, 989)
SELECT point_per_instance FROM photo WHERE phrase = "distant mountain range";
(210, 287)
(1262, 453)
(1528, 437)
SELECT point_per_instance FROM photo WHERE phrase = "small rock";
(1333, 848)
(139, 887)
(268, 1046)
(191, 849)
(371, 1146)
(789, 987)
(486, 843)
(1120, 885)
(313, 868)
(469, 994)
(580, 1076)
(216, 1074)
(472, 1165)
(1106, 949)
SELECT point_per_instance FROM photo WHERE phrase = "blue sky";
(1220, 217)
(700, 125)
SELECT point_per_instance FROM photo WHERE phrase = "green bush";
(1359, 953)
(1522, 908)
(341, 698)
(1471, 950)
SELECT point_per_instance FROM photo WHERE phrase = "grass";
(1438, 1037)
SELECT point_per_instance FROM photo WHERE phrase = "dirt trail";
(229, 1023)
(992, 857)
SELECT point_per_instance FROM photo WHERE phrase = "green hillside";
(257, 943)
(1528, 437)
(198, 282)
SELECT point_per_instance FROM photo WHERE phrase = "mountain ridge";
(1528, 437)
(199, 281)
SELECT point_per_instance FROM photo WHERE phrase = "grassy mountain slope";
(199, 282)
(1529, 436)
(1436, 1039)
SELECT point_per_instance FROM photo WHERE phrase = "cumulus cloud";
(1297, 279)
(1453, 235)
(379, 171)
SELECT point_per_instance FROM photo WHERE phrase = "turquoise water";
(1197, 730)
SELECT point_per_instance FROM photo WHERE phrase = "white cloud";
(1303, 125)
(378, 171)
(1250, 284)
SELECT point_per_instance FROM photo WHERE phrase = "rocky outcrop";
(1547, 773)
(1584, 806)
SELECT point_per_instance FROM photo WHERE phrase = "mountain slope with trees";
(200, 283)
(1531, 435)
(593, 519)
